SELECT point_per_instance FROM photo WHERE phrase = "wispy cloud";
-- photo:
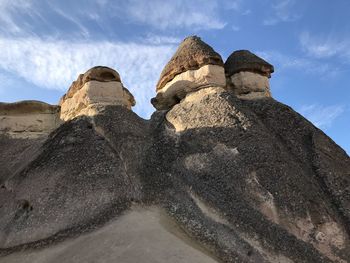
(73, 19)
(21, 16)
(282, 12)
(321, 116)
(160, 39)
(232, 4)
(325, 47)
(195, 14)
(236, 28)
(7, 10)
(305, 65)
(55, 64)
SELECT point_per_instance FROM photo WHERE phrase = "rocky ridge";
(224, 174)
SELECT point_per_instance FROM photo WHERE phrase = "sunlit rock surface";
(28, 119)
(93, 90)
(194, 66)
(215, 177)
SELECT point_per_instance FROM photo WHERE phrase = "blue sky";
(46, 44)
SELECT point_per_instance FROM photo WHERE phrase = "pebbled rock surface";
(244, 60)
(244, 181)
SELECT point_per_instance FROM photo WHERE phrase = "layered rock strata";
(92, 91)
(248, 75)
(194, 66)
(28, 119)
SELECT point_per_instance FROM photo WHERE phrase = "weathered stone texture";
(192, 54)
(246, 181)
(249, 85)
(244, 60)
(28, 119)
(92, 91)
(189, 81)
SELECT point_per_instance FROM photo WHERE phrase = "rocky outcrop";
(92, 91)
(215, 178)
(194, 66)
(248, 75)
(244, 180)
(28, 119)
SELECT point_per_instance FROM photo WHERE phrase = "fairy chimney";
(194, 66)
(92, 91)
(247, 75)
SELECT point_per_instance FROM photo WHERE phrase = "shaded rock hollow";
(219, 178)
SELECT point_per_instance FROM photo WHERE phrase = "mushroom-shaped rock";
(194, 66)
(96, 88)
(248, 75)
(28, 119)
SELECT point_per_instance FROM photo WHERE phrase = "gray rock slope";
(244, 181)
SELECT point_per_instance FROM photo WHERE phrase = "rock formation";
(215, 178)
(248, 75)
(194, 66)
(28, 119)
(96, 88)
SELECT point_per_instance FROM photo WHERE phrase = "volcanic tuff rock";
(195, 65)
(94, 89)
(247, 75)
(26, 119)
(216, 178)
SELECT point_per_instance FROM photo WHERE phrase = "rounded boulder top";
(244, 60)
(101, 73)
(192, 54)
(98, 73)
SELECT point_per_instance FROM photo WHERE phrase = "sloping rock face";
(195, 65)
(220, 179)
(24, 126)
(28, 119)
(96, 88)
(247, 75)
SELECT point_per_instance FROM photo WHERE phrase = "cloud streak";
(282, 12)
(306, 65)
(325, 47)
(321, 116)
(161, 14)
(55, 64)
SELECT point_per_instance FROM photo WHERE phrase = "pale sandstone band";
(194, 66)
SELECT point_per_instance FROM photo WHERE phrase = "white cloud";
(325, 47)
(8, 8)
(195, 14)
(321, 116)
(231, 5)
(282, 12)
(235, 28)
(160, 40)
(73, 19)
(306, 65)
(19, 17)
(55, 64)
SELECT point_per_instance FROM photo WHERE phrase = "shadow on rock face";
(261, 185)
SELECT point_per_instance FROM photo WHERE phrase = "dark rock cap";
(192, 54)
(244, 60)
(99, 73)
(26, 107)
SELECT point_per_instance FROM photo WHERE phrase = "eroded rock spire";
(96, 88)
(194, 66)
(248, 75)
